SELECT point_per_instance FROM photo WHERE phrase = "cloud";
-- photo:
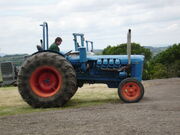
(103, 21)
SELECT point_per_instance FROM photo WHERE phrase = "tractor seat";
(39, 48)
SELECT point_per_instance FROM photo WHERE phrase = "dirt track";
(157, 114)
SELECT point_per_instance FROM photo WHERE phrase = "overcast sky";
(153, 22)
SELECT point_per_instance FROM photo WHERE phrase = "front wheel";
(130, 90)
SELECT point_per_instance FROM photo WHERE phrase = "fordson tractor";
(50, 79)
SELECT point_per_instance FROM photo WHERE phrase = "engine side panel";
(108, 69)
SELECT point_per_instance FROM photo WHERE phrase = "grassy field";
(11, 102)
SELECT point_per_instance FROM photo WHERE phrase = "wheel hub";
(45, 81)
(131, 90)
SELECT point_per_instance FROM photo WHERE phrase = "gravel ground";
(157, 114)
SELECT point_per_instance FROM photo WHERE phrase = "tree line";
(165, 64)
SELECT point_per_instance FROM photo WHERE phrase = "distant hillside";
(156, 50)
(17, 59)
(98, 51)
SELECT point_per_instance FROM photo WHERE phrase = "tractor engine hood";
(123, 58)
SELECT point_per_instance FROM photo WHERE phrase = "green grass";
(8, 88)
(11, 102)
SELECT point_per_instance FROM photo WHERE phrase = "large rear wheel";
(47, 80)
(130, 90)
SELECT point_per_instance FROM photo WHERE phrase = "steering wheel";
(68, 52)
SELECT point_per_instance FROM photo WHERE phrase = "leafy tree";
(169, 56)
(170, 59)
(159, 71)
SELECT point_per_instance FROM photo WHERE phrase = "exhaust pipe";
(45, 41)
(129, 46)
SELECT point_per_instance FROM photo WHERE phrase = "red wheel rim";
(46, 81)
(131, 91)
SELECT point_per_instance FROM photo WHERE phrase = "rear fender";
(49, 51)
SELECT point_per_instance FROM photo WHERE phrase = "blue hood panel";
(122, 58)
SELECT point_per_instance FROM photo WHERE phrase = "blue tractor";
(50, 79)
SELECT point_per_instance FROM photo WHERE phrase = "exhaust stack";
(45, 41)
(129, 46)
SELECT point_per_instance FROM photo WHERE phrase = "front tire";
(46, 79)
(130, 90)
